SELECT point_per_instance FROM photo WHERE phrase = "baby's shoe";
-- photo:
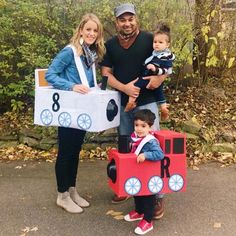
(64, 201)
(77, 198)
(143, 227)
(133, 216)
(164, 115)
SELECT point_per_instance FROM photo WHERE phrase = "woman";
(87, 45)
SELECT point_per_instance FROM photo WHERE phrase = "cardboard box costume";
(127, 177)
(95, 111)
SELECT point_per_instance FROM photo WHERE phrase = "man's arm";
(155, 81)
(130, 89)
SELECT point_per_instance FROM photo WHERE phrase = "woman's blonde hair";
(98, 45)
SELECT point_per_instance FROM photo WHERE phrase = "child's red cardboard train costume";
(127, 177)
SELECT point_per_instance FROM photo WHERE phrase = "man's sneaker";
(159, 209)
(117, 200)
(143, 227)
(133, 216)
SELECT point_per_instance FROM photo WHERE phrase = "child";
(158, 64)
(146, 150)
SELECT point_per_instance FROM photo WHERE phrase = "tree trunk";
(200, 46)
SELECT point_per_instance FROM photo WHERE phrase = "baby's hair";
(162, 28)
(146, 116)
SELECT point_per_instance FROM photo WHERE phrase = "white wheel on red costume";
(46, 117)
(84, 121)
(176, 182)
(64, 119)
(132, 186)
(155, 184)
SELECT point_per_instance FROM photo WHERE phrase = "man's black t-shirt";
(127, 64)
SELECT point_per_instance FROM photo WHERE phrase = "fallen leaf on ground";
(34, 229)
(26, 229)
(217, 225)
(109, 212)
(195, 168)
(116, 213)
(18, 167)
(119, 217)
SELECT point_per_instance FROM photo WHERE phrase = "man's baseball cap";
(124, 8)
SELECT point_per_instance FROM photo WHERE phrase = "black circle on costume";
(112, 110)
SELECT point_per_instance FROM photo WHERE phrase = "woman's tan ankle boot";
(77, 198)
(64, 201)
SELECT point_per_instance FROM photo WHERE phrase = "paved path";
(27, 199)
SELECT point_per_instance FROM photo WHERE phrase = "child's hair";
(146, 116)
(162, 28)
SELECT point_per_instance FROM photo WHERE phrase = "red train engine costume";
(127, 177)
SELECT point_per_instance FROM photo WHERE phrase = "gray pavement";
(27, 199)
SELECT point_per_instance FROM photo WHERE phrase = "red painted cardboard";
(165, 176)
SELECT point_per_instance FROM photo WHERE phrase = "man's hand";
(141, 158)
(155, 81)
(131, 90)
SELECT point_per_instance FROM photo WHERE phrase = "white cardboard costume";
(95, 111)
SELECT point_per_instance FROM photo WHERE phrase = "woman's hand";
(80, 88)
(131, 90)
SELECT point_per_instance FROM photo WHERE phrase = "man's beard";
(126, 40)
(122, 32)
(125, 35)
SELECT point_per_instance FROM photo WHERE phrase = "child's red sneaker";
(132, 216)
(143, 227)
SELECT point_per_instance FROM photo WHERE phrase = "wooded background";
(32, 32)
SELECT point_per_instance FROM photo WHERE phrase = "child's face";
(160, 42)
(141, 128)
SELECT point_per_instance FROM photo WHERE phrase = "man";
(122, 64)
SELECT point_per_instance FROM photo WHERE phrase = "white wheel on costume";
(155, 184)
(176, 182)
(132, 186)
(46, 117)
(64, 119)
(84, 121)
